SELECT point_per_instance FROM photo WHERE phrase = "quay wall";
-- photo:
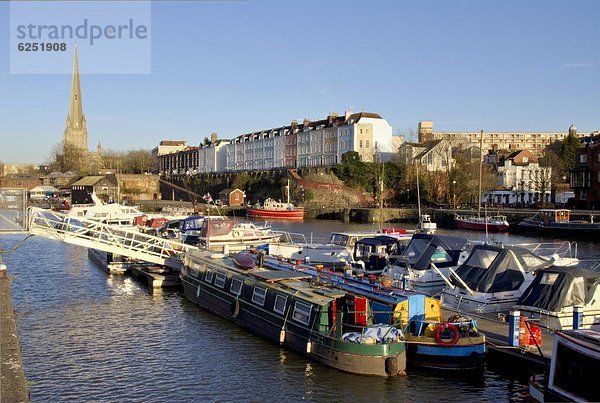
(13, 386)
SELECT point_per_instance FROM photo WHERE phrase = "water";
(88, 336)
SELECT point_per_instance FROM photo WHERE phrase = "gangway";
(124, 241)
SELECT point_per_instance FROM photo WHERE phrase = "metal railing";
(124, 241)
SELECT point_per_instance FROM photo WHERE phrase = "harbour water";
(88, 336)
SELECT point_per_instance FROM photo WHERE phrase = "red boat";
(492, 223)
(276, 210)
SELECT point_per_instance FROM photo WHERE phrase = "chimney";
(331, 117)
(306, 122)
(213, 137)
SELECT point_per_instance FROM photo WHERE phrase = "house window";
(280, 302)
(258, 296)
(360, 144)
(525, 160)
(236, 286)
(583, 158)
(302, 312)
(209, 276)
(583, 194)
(367, 143)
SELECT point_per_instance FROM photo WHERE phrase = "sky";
(237, 66)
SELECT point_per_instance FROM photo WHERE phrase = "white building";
(435, 155)
(165, 147)
(212, 156)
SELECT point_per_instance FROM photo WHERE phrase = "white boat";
(228, 235)
(553, 294)
(107, 213)
(372, 254)
(425, 225)
(573, 369)
(492, 279)
(426, 261)
(337, 252)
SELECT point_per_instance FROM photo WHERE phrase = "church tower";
(76, 128)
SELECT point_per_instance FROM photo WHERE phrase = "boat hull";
(427, 353)
(562, 230)
(296, 214)
(480, 226)
(364, 359)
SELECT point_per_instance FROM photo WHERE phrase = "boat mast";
(480, 171)
(380, 191)
(418, 192)
(287, 190)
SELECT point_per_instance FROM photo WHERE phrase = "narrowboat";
(496, 223)
(573, 369)
(329, 325)
(432, 342)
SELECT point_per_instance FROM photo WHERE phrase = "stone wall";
(139, 187)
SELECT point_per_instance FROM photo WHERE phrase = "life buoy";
(235, 234)
(453, 329)
(235, 308)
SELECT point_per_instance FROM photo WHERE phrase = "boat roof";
(379, 240)
(494, 268)
(557, 287)
(451, 244)
(589, 335)
(552, 210)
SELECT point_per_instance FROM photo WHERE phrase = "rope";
(7, 251)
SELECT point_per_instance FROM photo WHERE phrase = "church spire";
(76, 129)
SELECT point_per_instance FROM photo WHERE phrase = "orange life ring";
(453, 329)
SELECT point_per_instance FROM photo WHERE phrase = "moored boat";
(328, 325)
(497, 223)
(272, 209)
(215, 235)
(556, 292)
(433, 342)
(573, 369)
(558, 222)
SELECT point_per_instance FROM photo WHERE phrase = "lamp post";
(454, 194)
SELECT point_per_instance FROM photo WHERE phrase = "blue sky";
(237, 66)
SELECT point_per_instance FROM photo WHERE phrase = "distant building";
(435, 155)
(21, 181)
(521, 180)
(232, 197)
(41, 192)
(105, 187)
(585, 176)
(165, 147)
(59, 179)
(307, 144)
(512, 141)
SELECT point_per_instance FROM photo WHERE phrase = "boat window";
(220, 280)
(302, 312)
(440, 256)
(339, 239)
(280, 302)
(532, 260)
(258, 296)
(415, 249)
(209, 276)
(482, 258)
(548, 278)
(236, 286)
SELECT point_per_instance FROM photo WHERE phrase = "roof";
(429, 145)
(88, 181)
(227, 191)
(44, 189)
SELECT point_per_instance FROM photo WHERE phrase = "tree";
(568, 155)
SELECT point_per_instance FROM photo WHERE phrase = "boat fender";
(391, 366)
(235, 308)
(452, 328)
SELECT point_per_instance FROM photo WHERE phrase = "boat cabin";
(555, 291)
(347, 239)
(493, 269)
(424, 249)
(374, 253)
(554, 215)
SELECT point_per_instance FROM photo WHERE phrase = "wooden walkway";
(497, 343)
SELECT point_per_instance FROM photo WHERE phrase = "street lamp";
(454, 194)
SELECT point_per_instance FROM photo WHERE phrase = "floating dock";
(156, 276)
(501, 350)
